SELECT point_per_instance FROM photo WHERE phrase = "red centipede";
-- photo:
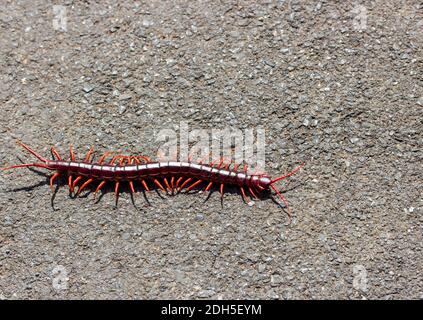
(170, 176)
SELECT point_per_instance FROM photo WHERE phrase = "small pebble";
(88, 88)
(354, 140)
(125, 96)
(206, 293)
(122, 109)
(125, 236)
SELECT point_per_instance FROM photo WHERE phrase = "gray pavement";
(336, 84)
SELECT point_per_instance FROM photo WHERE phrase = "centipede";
(171, 177)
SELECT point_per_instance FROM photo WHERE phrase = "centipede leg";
(101, 185)
(206, 158)
(85, 184)
(103, 157)
(114, 159)
(167, 185)
(220, 163)
(146, 189)
(221, 190)
(71, 153)
(252, 193)
(70, 183)
(135, 160)
(172, 184)
(144, 159)
(158, 184)
(184, 184)
(78, 178)
(88, 156)
(117, 191)
(131, 187)
(55, 154)
(53, 177)
(144, 184)
(212, 163)
(208, 190)
(209, 186)
(194, 185)
(178, 181)
(244, 197)
(221, 194)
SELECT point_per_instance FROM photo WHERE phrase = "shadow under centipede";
(145, 197)
(208, 196)
(56, 189)
(37, 185)
(28, 188)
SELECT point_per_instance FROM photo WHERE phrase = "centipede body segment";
(171, 176)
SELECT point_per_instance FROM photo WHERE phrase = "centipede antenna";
(288, 174)
(39, 157)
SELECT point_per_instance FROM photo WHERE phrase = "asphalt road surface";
(337, 85)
